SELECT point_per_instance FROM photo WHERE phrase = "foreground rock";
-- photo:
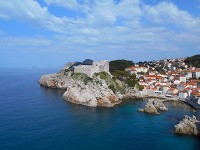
(81, 89)
(187, 126)
(140, 109)
(152, 106)
(159, 105)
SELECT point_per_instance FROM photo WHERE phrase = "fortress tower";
(96, 67)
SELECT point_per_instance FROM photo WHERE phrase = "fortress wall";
(91, 69)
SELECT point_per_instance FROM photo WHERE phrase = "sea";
(33, 117)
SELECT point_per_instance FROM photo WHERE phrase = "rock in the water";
(140, 109)
(153, 105)
(150, 108)
(187, 126)
(159, 105)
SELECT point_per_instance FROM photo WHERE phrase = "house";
(188, 74)
(183, 94)
(191, 84)
(182, 78)
(172, 91)
(165, 89)
(196, 73)
(137, 69)
(152, 77)
(196, 92)
(176, 81)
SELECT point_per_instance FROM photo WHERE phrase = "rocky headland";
(187, 126)
(99, 90)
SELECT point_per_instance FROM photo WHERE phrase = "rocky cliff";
(100, 90)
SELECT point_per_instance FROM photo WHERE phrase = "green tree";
(126, 77)
(120, 64)
(193, 61)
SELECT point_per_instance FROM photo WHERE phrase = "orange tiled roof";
(153, 76)
(196, 92)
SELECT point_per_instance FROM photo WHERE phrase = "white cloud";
(166, 13)
(31, 11)
(107, 27)
(72, 4)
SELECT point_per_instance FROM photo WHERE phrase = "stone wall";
(102, 66)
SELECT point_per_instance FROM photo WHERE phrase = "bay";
(37, 118)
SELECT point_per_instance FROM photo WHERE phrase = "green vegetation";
(112, 87)
(120, 65)
(140, 87)
(125, 77)
(193, 61)
(160, 70)
(103, 75)
(81, 76)
(112, 84)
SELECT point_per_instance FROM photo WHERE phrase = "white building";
(182, 79)
(136, 69)
(96, 67)
(188, 75)
(196, 74)
(183, 95)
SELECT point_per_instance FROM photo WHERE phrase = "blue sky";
(49, 33)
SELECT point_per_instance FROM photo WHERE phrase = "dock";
(192, 103)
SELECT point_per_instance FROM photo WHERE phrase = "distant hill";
(87, 62)
(193, 61)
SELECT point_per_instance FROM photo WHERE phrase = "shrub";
(131, 82)
(140, 87)
(112, 87)
(81, 76)
(86, 80)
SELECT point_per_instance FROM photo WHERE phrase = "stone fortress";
(96, 67)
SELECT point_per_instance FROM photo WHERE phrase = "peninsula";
(89, 83)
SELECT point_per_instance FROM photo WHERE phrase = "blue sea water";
(37, 118)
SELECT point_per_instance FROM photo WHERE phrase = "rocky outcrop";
(150, 108)
(140, 109)
(153, 105)
(187, 126)
(81, 89)
(159, 105)
(56, 80)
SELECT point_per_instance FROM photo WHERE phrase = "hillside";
(193, 61)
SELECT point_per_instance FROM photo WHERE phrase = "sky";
(50, 33)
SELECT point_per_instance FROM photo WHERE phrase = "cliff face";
(91, 94)
(81, 89)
